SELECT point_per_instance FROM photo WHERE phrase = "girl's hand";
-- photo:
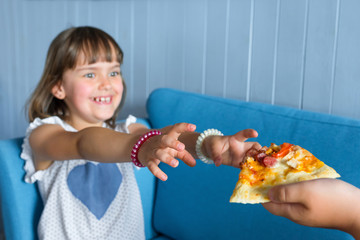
(165, 148)
(328, 203)
(230, 150)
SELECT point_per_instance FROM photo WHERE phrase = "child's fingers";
(255, 145)
(170, 138)
(156, 171)
(246, 134)
(186, 157)
(240, 150)
(168, 141)
(166, 157)
(218, 161)
(180, 128)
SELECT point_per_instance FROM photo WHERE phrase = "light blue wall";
(297, 53)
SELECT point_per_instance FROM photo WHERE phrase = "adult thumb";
(290, 193)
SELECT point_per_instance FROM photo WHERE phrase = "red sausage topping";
(269, 161)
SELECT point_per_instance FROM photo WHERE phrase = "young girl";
(83, 161)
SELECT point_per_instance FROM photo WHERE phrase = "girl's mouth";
(102, 100)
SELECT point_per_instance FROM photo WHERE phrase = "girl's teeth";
(102, 99)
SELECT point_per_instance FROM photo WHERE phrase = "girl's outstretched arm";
(52, 143)
(328, 203)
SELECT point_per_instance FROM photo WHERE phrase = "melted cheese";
(297, 160)
(252, 172)
(306, 161)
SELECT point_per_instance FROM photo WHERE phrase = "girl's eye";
(114, 74)
(89, 75)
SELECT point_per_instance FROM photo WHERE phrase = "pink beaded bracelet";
(136, 148)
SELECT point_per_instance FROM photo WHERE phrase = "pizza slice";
(275, 165)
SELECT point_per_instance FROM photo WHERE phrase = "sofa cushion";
(194, 202)
(20, 202)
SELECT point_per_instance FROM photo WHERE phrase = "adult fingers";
(288, 210)
(289, 193)
(245, 134)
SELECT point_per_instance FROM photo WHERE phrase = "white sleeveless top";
(85, 199)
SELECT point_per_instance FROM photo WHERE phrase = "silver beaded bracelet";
(200, 140)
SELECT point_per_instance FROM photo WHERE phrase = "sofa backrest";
(194, 202)
(21, 204)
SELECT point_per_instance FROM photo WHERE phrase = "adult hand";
(328, 203)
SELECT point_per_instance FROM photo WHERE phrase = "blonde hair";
(63, 54)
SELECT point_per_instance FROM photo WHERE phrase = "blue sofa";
(194, 202)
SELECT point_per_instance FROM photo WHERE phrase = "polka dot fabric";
(67, 215)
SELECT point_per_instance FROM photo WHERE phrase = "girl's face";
(92, 92)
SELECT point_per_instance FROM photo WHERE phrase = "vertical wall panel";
(302, 54)
(174, 48)
(194, 36)
(157, 44)
(104, 15)
(140, 32)
(85, 13)
(215, 44)
(290, 49)
(346, 99)
(265, 15)
(319, 55)
(71, 16)
(7, 119)
(17, 63)
(238, 49)
(123, 34)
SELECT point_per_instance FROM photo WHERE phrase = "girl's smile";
(102, 100)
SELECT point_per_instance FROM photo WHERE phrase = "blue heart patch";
(95, 185)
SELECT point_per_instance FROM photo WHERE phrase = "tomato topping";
(285, 149)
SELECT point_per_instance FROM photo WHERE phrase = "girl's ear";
(58, 91)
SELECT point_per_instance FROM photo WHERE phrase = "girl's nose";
(105, 83)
